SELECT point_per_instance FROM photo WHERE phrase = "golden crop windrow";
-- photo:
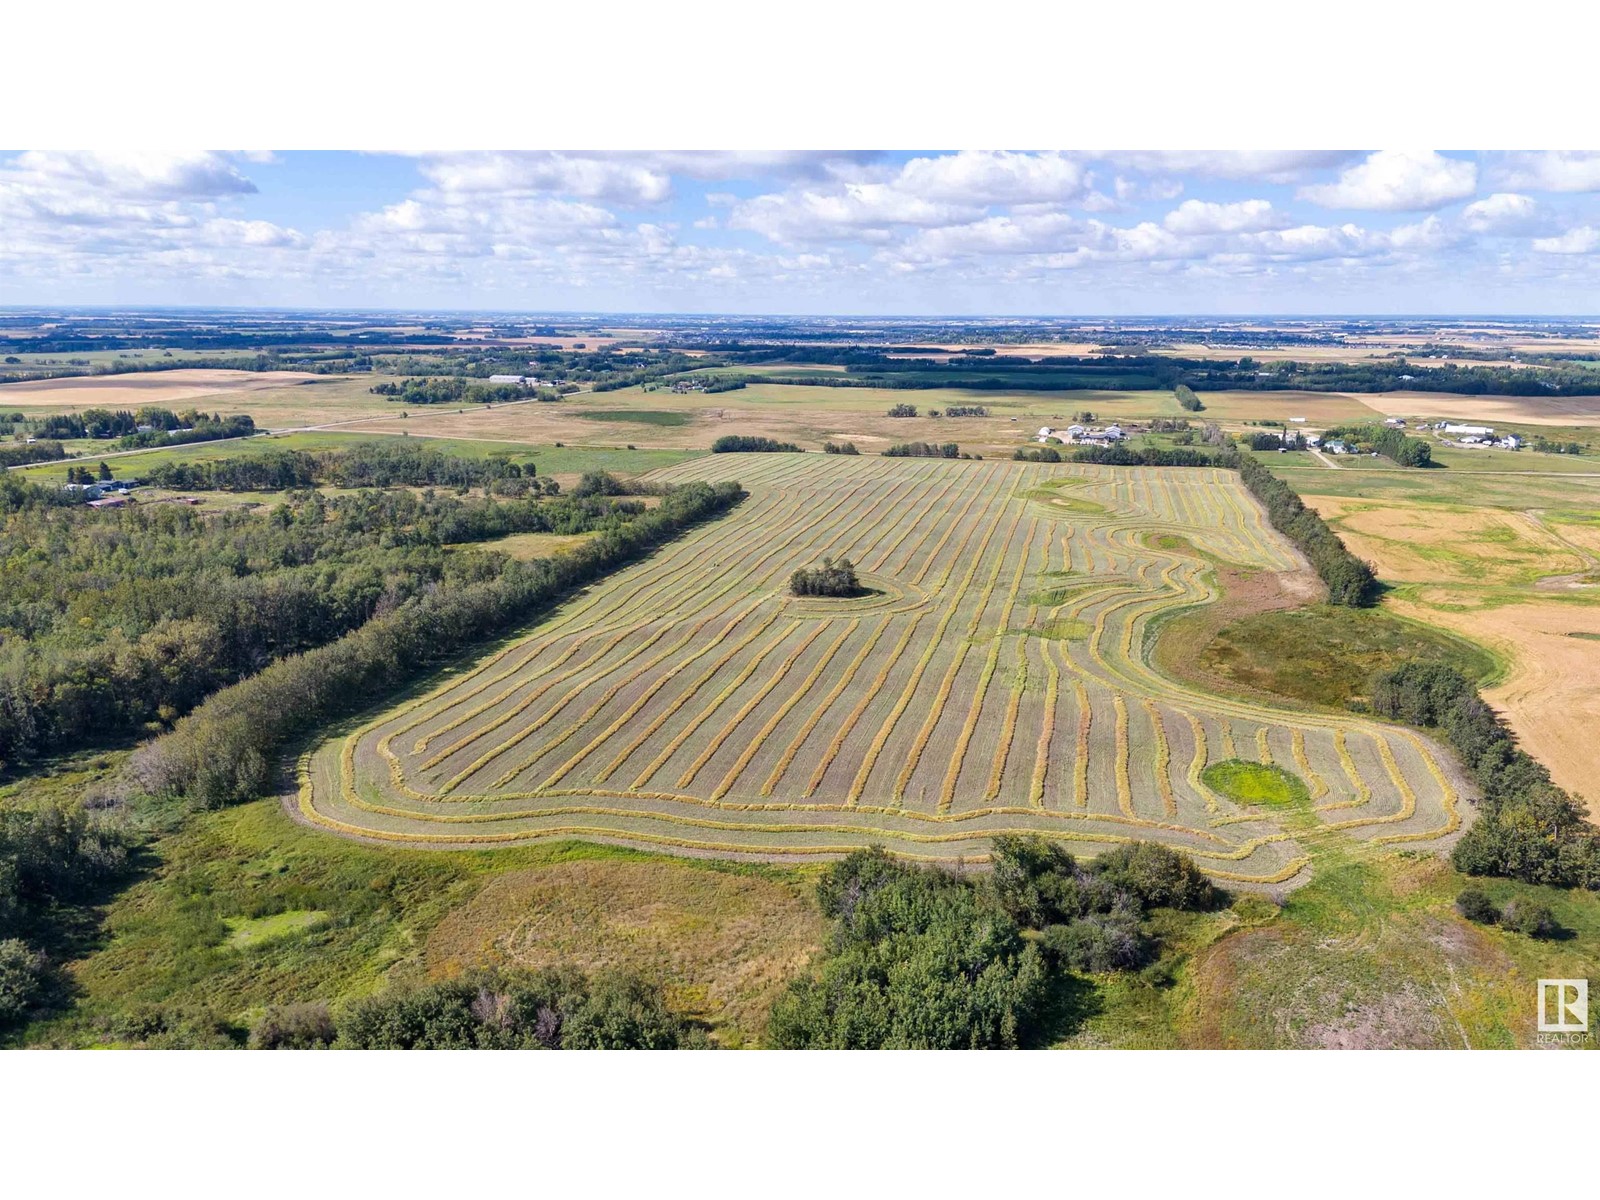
(847, 722)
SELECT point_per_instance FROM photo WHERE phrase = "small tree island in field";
(830, 579)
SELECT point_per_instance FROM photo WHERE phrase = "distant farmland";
(995, 679)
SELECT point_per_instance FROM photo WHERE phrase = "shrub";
(545, 1010)
(1474, 904)
(22, 980)
(1530, 917)
(902, 410)
(1098, 942)
(919, 958)
(294, 1027)
(839, 448)
(1158, 876)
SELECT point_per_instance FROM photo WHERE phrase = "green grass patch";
(1053, 495)
(1062, 630)
(1585, 635)
(637, 416)
(247, 932)
(1256, 783)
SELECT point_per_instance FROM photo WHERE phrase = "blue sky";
(927, 232)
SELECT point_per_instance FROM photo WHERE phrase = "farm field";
(996, 678)
(1488, 410)
(164, 388)
(1514, 565)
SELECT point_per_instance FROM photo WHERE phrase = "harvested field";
(1517, 410)
(1001, 682)
(137, 389)
(1516, 580)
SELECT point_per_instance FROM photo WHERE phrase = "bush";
(492, 1010)
(902, 410)
(1158, 876)
(918, 959)
(294, 1027)
(1474, 904)
(1530, 917)
(839, 448)
(22, 980)
(1097, 943)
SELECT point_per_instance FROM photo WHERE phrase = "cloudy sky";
(1093, 232)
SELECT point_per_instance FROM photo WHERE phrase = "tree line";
(223, 751)
(1528, 828)
(741, 443)
(455, 389)
(1350, 581)
(925, 450)
(387, 462)
(114, 623)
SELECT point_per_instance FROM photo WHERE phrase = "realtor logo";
(1563, 1006)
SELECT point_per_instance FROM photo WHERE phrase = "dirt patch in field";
(1391, 977)
(723, 944)
(1177, 652)
(137, 389)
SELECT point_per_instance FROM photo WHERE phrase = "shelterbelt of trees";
(223, 751)
(1350, 580)
(1527, 828)
(114, 623)
(393, 462)
(456, 389)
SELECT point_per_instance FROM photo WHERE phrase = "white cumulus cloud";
(1204, 216)
(1582, 240)
(1398, 181)
(1553, 171)
(1502, 213)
